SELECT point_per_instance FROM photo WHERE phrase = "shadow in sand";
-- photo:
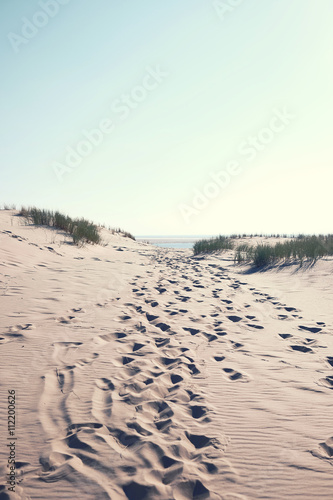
(297, 264)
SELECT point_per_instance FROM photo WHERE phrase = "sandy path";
(146, 373)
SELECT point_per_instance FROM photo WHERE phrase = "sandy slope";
(146, 373)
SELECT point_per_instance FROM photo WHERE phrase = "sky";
(176, 117)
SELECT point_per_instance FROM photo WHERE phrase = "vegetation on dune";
(298, 248)
(8, 207)
(81, 230)
(122, 232)
(213, 245)
(243, 252)
(259, 235)
(303, 247)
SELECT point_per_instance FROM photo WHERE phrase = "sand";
(145, 373)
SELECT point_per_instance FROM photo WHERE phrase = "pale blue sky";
(227, 74)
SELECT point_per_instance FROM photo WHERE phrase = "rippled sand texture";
(144, 373)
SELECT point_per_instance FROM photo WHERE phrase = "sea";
(167, 241)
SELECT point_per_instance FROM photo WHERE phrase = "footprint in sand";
(162, 326)
(154, 409)
(66, 319)
(173, 468)
(191, 489)
(285, 335)
(151, 317)
(220, 332)
(201, 441)
(234, 319)
(127, 359)
(184, 299)
(175, 379)
(102, 400)
(327, 382)
(301, 348)
(193, 331)
(14, 332)
(234, 375)
(124, 317)
(137, 346)
(258, 327)
(138, 428)
(18, 328)
(108, 337)
(193, 369)
(236, 345)
(325, 450)
(137, 491)
(310, 329)
(67, 344)
(330, 360)
(167, 362)
(198, 411)
(78, 310)
(161, 342)
(209, 336)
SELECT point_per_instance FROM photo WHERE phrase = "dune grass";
(8, 207)
(213, 245)
(297, 248)
(122, 232)
(81, 230)
(301, 248)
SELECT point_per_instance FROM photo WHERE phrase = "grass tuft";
(303, 247)
(297, 248)
(218, 244)
(81, 230)
(300, 248)
(120, 231)
(8, 207)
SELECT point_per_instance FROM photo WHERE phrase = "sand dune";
(147, 373)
